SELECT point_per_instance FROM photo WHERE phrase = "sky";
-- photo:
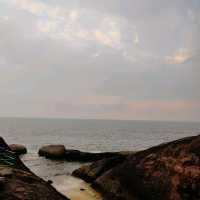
(130, 59)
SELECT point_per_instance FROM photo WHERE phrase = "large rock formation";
(59, 152)
(17, 182)
(166, 172)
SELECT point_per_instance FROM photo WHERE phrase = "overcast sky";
(116, 59)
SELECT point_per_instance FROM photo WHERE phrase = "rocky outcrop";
(71, 155)
(166, 172)
(18, 149)
(17, 182)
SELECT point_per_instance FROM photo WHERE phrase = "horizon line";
(100, 119)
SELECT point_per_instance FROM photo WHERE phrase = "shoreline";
(166, 171)
(72, 187)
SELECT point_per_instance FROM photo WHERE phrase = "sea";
(87, 135)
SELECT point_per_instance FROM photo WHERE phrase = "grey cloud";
(44, 73)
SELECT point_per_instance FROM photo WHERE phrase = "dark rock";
(6, 153)
(52, 151)
(75, 155)
(169, 171)
(90, 172)
(18, 187)
(18, 149)
(72, 155)
(6, 172)
(50, 182)
(17, 182)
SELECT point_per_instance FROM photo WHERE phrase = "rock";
(5, 152)
(169, 171)
(25, 185)
(18, 149)
(90, 172)
(75, 155)
(6, 172)
(52, 151)
(72, 155)
(17, 182)
(50, 182)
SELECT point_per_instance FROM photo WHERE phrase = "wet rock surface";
(18, 149)
(169, 171)
(17, 182)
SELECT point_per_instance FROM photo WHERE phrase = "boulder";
(169, 171)
(18, 149)
(52, 151)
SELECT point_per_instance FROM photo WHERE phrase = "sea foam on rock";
(169, 171)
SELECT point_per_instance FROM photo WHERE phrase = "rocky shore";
(72, 155)
(169, 171)
(17, 182)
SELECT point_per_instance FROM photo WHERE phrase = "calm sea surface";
(87, 135)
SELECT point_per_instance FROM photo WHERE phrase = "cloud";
(34, 7)
(180, 56)
(100, 59)
(5, 18)
(136, 39)
(58, 22)
(170, 109)
(109, 38)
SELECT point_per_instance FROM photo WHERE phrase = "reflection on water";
(74, 188)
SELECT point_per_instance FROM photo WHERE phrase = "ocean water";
(87, 135)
